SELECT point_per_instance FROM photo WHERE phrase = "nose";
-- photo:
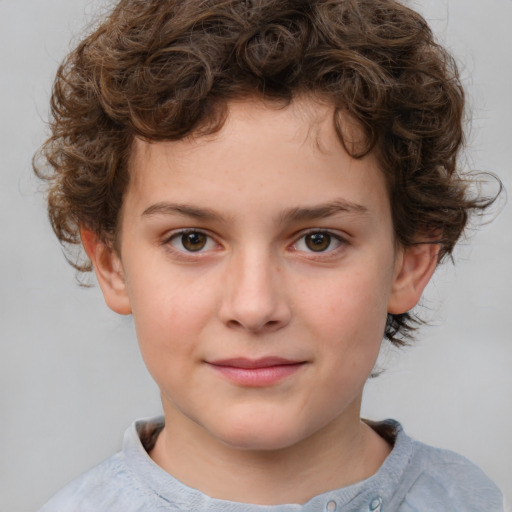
(254, 297)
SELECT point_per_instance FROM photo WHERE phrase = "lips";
(264, 362)
(256, 372)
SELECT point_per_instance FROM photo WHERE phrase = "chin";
(259, 444)
(264, 436)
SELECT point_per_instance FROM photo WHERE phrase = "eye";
(318, 241)
(191, 241)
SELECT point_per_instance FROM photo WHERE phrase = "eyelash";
(184, 252)
(178, 235)
(334, 238)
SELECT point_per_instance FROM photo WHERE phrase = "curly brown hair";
(163, 69)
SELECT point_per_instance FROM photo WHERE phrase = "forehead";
(305, 121)
(264, 154)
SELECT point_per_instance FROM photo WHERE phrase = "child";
(267, 186)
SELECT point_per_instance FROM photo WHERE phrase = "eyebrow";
(303, 213)
(183, 209)
(323, 211)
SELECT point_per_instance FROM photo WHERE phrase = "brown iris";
(318, 242)
(194, 241)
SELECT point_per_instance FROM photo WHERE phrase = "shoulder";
(416, 476)
(120, 483)
(108, 486)
(440, 480)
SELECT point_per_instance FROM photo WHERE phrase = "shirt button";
(376, 504)
(331, 506)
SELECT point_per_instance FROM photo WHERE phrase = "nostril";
(271, 325)
(235, 324)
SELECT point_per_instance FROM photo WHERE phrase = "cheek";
(348, 329)
(169, 315)
(350, 308)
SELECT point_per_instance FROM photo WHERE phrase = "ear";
(413, 270)
(109, 272)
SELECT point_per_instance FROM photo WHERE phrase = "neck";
(344, 452)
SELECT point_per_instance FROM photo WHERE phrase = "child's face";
(264, 245)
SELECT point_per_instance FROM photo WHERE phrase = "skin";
(257, 194)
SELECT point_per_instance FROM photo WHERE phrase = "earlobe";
(108, 270)
(414, 268)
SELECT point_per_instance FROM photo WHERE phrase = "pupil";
(318, 241)
(193, 241)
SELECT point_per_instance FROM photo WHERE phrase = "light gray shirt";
(414, 478)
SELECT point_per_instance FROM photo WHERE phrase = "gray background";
(71, 378)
